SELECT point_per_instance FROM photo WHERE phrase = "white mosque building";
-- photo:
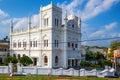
(52, 44)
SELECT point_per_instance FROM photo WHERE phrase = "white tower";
(11, 26)
(80, 36)
(65, 42)
(29, 26)
(11, 31)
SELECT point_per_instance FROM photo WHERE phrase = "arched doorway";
(45, 60)
(56, 60)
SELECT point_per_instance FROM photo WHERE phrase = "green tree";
(108, 63)
(85, 64)
(94, 56)
(99, 56)
(11, 59)
(113, 46)
(25, 60)
(89, 56)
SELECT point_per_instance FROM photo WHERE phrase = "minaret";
(79, 22)
(29, 26)
(11, 26)
(65, 42)
(40, 36)
(29, 23)
(11, 31)
(80, 35)
(65, 27)
(41, 17)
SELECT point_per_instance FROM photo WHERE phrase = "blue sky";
(100, 18)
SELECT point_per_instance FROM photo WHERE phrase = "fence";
(60, 71)
(6, 69)
(49, 71)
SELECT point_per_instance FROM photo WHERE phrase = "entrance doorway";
(34, 61)
(72, 62)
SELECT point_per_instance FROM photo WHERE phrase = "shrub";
(96, 66)
(84, 63)
(25, 60)
(11, 59)
(108, 63)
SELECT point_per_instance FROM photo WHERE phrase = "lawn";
(6, 77)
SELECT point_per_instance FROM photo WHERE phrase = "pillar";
(18, 67)
(10, 67)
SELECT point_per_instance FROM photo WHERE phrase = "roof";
(118, 56)
(74, 56)
(117, 48)
(4, 41)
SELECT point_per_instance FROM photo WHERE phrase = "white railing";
(91, 73)
(57, 71)
(60, 71)
(49, 71)
(4, 69)
(43, 71)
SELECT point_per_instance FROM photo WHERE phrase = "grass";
(38, 77)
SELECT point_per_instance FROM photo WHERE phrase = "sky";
(100, 18)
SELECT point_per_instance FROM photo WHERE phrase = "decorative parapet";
(24, 31)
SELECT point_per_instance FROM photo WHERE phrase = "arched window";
(19, 56)
(72, 45)
(73, 26)
(68, 44)
(45, 60)
(46, 20)
(19, 44)
(24, 44)
(14, 44)
(56, 60)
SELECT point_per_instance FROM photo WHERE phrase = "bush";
(9, 59)
(0, 60)
(85, 64)
(25, 60)
(101, 63)
(108, 63)
(96, 66)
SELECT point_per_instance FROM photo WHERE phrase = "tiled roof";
(118, 56)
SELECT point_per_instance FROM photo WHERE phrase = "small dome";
(71, 17)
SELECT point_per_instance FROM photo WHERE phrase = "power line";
(83, 40)
(100, 39)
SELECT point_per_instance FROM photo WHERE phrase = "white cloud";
(3, 14)
(71, 7)
(95, 7)
(91, 9)
(22, 23)
(115, 34)
(111, 26)
(84, 43)
(105, 31)
(35, 20)
(97, 33)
